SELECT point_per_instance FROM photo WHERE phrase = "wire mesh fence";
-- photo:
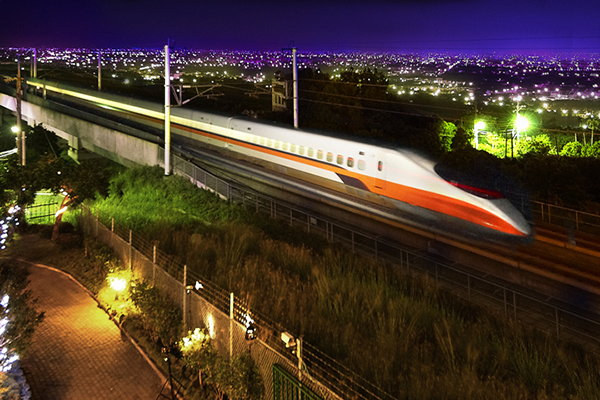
(42, 213)
(328, 377)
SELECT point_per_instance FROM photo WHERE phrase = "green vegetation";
(238, 379)
(17, 324)
(403, 334)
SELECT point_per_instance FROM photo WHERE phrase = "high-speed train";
(409, 184)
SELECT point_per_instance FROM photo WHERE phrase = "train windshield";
(479, 186)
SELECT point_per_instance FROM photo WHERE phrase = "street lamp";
(20, 143)
(479, 126)
(521, 123)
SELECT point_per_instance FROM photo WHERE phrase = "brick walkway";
(78, 352)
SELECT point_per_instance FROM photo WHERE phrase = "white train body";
(397, 178)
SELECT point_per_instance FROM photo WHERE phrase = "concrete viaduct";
(82, 130)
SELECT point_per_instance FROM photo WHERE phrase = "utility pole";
(34, 63)
(295, 77)
(167, 112)
(20, 132)
(295, 82)
(99, 71)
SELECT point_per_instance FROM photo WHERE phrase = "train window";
(284, 146)
(329, 157)
(350, 162)
(380, 166)
(270, 142)
(320, 154)
(262, 141)
(249, 138)
(255, 139)
(293, 148)
(277, 144)
(362, 165)
(340, 160)
(301, 150)
(311, 152)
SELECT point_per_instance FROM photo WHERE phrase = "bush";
(17, 308)
(162, 320)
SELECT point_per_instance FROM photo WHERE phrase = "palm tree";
(592, 123)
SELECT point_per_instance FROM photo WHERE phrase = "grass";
(400, 332)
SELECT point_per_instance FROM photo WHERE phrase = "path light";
(118, 284)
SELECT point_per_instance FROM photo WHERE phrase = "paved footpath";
(77, 351)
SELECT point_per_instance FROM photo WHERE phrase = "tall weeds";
(400, 332)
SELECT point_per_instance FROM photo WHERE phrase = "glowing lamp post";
(20, 139)
(521, 124)
(479, 126)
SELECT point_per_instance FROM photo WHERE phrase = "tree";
(462, 139)
(538, 145)
(446, 132)
(592, 124)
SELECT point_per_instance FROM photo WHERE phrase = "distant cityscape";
(566, 88)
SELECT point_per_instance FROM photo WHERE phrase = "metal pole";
(99, 71)
(35, 63)
(167, 112)
(557, 323)
(231, 325)
(469, 286)
(299, 343)
(295, 77)
(153, 265)
(19, 132)
(185, 298)
(23, 149)
(130, 249)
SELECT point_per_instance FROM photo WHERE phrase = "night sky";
(415, 26)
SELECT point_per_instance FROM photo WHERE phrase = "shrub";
(19, 317)
(160, 317)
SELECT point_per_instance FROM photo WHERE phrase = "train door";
(380, 171)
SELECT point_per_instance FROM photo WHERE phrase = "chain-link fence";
(226, 317)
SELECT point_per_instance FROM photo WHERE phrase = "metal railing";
(566, 217)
